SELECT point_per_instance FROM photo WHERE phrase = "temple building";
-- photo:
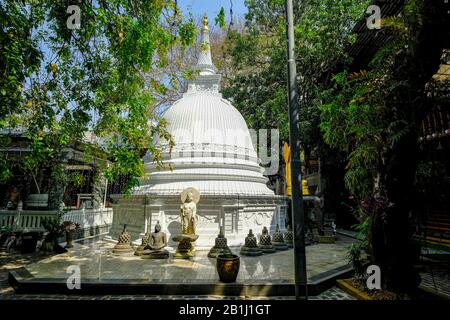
(214, 154)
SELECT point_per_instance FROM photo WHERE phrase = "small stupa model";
(289, 237)
(220, 245)
(278, 240)
(124, 245)
(250, 248)
(144, 242)
(185, 249)
(265, 242)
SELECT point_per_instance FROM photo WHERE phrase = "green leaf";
(220, 18)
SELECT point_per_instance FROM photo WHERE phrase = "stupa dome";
(213, 149)
(203, 118)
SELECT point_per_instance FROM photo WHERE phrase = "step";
(439, 216)
(438, 240)
(430, 219)
(438, 224)
(437, 228)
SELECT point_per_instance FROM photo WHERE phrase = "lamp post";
(298, 212)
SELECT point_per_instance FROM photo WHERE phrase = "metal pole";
(106, 192)
(298, 217)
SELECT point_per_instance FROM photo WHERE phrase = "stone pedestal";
(123, 246)
(220, 245)
(250, 248)
(145, 241)
(185, 248)
(265, 242)
(278, 240)
(289, 237)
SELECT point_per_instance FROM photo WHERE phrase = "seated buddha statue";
(154, 249)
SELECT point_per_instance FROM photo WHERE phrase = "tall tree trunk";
(393, 249)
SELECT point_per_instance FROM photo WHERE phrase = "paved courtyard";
(97, 262)
(436, 279)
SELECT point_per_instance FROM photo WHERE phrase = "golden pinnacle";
(205, 22)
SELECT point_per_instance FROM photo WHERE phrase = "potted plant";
(53, 232)
(70, 229)
(55, 229)
(228, 266)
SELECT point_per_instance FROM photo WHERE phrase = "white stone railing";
(27, 220)
(30, 220)
(90, 217)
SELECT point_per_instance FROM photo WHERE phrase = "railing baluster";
(31, 220)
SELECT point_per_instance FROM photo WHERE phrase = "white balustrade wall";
(29, 220)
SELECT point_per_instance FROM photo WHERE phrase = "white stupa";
(213, 153)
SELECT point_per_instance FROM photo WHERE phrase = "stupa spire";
(208, 81)
(205, 64)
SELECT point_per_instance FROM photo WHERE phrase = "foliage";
(432, 184)
(373, 116)
(70, 227)
(322, 32)
(430, 178)
(354, 257)
(361, 232)
(220, 19)
(53, 226)
(356, 121)
(227, 253)
(59, 83)
(364, 113)
(56, 227)
(78, 179)
(355, 250)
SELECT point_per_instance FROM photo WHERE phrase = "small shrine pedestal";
(124, 245)
(220, 246)
(250, 248)
(185, 249)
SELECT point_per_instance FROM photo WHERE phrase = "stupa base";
(280, 246)
(267, 249)
(120, 249)
(251, 252)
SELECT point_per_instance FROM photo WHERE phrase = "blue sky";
(212, 8)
